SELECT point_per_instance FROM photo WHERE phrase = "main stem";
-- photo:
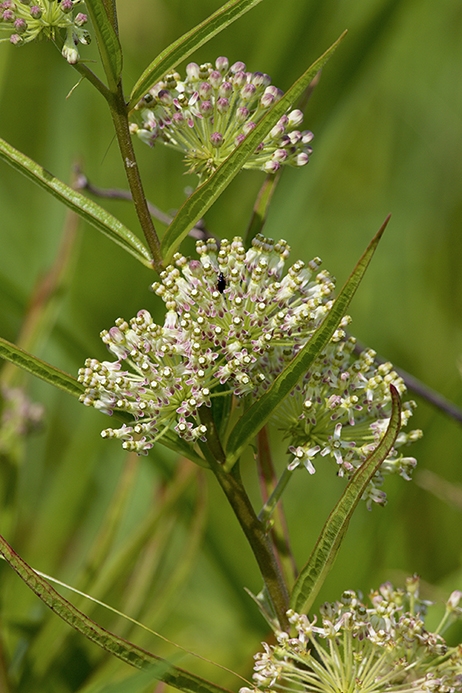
(259, 541)
(120, 119)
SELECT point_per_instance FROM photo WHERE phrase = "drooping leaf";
(312, 576)
(183, 47)
(81, 205)
(107, 40)
(205, 195)
(123, 649)
(258, 414)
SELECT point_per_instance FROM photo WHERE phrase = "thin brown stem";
(198, 231)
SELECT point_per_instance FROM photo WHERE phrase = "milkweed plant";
(254, 343)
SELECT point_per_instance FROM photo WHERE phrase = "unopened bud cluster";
(234, 320)
(27, 20)
(355, 647)
(208, 114)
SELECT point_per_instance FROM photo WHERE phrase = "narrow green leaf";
(41, 369)
(183, 47)
(124, 650)
(107, 40)
(81, 205)
(311, 578)
(205, 195)
(258, 414)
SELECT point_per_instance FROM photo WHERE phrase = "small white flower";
(235, 318)
(381, 648)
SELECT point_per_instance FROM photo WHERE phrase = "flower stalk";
(257, 537)
(268, 509)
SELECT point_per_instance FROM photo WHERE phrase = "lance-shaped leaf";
(81, 205)
(43, 370)
(64, 381)
(258, 414)
(123, 649)
(183, 47)
(107, 40)
(311, 578)
(205, 195)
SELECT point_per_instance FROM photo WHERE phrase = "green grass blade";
(81, 205)
(42, 369)
(124, 650)
(107, 40)
(183, 47)
(311, 578)
(205, 195)
(258, 414)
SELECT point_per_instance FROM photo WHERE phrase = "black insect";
(221, 283)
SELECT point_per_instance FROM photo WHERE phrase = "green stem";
(270, 505)
(258, 539)
(120, 118)
(92, 78)
(213, 440)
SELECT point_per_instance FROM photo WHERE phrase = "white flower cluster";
(27, 20)
(341, 409)
(207, 115)
(382, 648)
(232, 323)
(234, 320)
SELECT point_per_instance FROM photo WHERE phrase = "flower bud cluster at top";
(357, 648)
(234, 320)
(209, 112)
(27, 20)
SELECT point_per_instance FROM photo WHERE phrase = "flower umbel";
(234, 320)
(28, 20)
(356, 648)
(341, 409)
(209, 112)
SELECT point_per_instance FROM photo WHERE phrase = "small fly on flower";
(221, 282)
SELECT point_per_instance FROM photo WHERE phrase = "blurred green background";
(387, 118)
